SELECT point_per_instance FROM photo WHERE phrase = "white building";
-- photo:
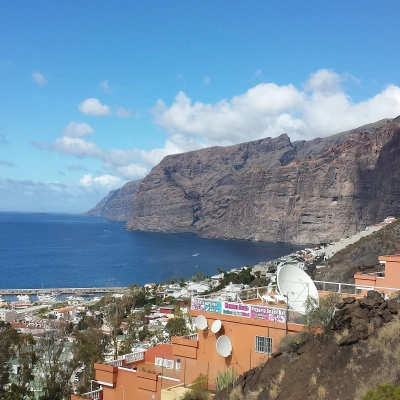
(8, 315)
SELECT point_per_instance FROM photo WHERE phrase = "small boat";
(46, 298)
(24, 298)
(196, 254)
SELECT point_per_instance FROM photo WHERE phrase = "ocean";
(59, 250)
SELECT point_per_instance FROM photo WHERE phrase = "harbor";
(61, 291)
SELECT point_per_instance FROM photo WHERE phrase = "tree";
(182, 282)
(176, 327)
(26, 355)
(113, 312)
(8, 338)
(54, 365)
(89, 347)
(13, 344)
(320, 312)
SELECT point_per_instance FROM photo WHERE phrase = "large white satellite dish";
(216, 326)
(201, 322)
(224, 346)
(296, 286)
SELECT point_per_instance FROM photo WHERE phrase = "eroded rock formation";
(275, 190)
(118, 203)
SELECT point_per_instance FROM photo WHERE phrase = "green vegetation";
(198, 389)
(225, 378)
(385, 391)
(319, 312)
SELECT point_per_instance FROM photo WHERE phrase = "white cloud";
(76, 130)
(104, 181)
(39, 78)
(93, 107)
(53, 196)
(320, 109)
(104, 86)
(207, 80)
(123, 112)
(76, 147)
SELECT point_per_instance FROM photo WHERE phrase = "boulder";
(374, 295)
(369, 303)
(393, 306)
(348, 340)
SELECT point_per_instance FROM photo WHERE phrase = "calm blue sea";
(57, 250)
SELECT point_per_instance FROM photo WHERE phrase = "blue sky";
(94, 94)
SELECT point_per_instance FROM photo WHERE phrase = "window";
(263, 344)
(178, 364)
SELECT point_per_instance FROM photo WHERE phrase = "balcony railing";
(116, 363)
(133, 357)
(127, 359)
(94, 395)
(192, 336)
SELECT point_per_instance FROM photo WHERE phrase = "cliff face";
(118, 203)
(275, 190)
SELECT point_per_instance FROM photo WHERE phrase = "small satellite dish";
(201, 322)
(224, 346)
(216, 326)
(296, 286)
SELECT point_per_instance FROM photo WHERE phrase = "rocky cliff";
(275, 190)
(118, 203)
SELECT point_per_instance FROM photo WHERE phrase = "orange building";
(385, 281)
(252, 327)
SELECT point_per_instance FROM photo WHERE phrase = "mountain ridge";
(274, 190)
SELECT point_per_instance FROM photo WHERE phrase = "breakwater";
(58, 291)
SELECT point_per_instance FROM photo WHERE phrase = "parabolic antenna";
(216, 326)
(224, 346)
(296, 286)
(201, 322)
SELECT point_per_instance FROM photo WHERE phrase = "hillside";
(360, 350)
(343, 265)
(275, 190)
(118, 203)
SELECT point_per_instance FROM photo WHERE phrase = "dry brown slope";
(361, 350)
(345, 263)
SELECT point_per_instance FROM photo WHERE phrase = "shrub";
(225, 378)
(198, 389)
(322, 392)
(319, 313)
(383, 392)
(291, 343)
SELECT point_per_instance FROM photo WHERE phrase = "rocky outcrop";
(118, 203)
(275, 190)
(359, 318)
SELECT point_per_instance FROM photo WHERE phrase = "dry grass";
(371, 328)
(236, 393)
(274, 389)
(253, 394)
(322, 392)
(383, 341)
(385, 344)
(313, 381)
(353, 366)
(340, 335)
